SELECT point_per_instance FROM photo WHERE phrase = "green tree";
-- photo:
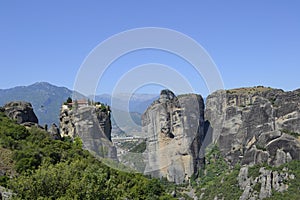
(69, 100)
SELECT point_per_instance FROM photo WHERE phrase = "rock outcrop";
(255, 125)
(20, 111)
(92, 124)
(54, 132)
(174, 127)
(5, 194)
(264, 184)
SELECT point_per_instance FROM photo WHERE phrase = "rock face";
(5, 194)
(264, 184)
(20, 111)
(92, 124)
(54, 132)
(255, 125)
(174, 127)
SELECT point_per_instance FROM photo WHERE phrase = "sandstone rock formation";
(92, 124)
(20, 111)
(255, 125)
(174, 127)
(264, 184)
(54, 132)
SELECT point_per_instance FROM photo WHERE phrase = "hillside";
(34, 166)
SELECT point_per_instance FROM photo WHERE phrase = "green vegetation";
(37, 167)
(261, 147)
(249, 90)
(218, 178)
(69, 100)
(272, 100)
(294, 134)
(140, 148)
(257, 187)
(104, 108)
(293, 191)
(127, 145)
(254, 171)
(292, 167)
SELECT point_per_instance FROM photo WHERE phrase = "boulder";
(20, 111)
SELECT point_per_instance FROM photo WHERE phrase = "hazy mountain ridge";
(47, 99)
(137, 102)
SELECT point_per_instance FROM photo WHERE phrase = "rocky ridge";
(255, 125)
(251, 126)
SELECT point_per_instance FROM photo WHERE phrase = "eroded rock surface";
(20, 111)
(54, 132)
(174, 127)
(255, 125)
(92, 125)
(262, 186)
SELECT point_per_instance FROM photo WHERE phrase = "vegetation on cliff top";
(249, 90)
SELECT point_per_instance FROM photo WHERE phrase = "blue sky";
(251, 42)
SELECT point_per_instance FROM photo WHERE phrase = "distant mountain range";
(47, 99)
(137, 102)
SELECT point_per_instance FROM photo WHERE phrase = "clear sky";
(251, 42)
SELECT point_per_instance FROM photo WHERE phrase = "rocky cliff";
(92, 124)
(174, 127)
(20, 111)
(255, 125)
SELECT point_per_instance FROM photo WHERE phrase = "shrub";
(294, 134)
